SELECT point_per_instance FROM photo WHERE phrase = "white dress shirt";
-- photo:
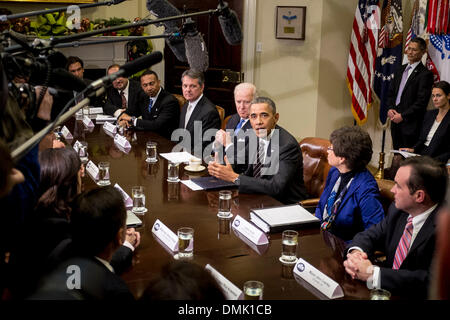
(190, 109)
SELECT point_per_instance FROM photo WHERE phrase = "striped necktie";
(124, 100)
(259, 161)
(150, 105)
(403, 245)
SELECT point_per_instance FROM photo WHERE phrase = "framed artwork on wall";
(290, 23)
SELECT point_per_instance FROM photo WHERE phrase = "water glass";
(137, 192)
(83, 152)
(224, 204)
(185, 243)
(253, 290)
(173, 190)
(289, 244)
(151, 152)
(103, 174)
(380, 294)
(172, 172)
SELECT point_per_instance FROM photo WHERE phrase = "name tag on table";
(108, 126)
(76, 146)
(88, 122)
(121, 141)
(258, 248)
(92, 169)
(318, 279)
(66, 133)
(230, 291)
(98, 110)
(126, 198)
(251, 232)
(167, 236)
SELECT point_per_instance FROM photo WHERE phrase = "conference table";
(215, 241)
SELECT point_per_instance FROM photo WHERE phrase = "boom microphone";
(196, 52)
(164, 9)
(229, 22)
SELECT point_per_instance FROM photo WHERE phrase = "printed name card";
(318, 279)
(122, 141)
(66, 133)
(88, 122)
(258, 248)
(126, 198)
(93, 110)
(251, 232)
(76, 146)
(167, 236)
(92, 169)
(108, 126)
(230, 291)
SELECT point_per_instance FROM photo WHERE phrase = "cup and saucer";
(195, 165)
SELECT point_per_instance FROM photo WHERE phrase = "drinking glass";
(253, 290)
(224, 204)
(103, 174)
(138, 195)
(289, 245)
(172, 172)
(151, 152)
(185, 243)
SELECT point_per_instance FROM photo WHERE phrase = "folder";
(208, 183)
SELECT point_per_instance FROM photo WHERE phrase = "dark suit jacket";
(413, 276)
(439, 147)
(287, 184)
(238, 144)
(136, 97)
(412, 106)
(234, 121)
(163, 118)
(206, 112)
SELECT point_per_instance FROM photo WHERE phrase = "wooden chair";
(386, 196)
(225, 121)
(315, 168)
(221, 112)
(181, 100)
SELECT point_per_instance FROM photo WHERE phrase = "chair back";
(225, 121)
(386, 196)
(181, 100)
(221, 112)
(315, 164)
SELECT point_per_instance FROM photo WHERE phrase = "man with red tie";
(406, 235)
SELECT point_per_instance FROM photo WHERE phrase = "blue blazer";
(360, 208)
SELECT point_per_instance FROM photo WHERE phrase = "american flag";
(361, 59)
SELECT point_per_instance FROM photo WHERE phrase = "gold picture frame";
(290, 22)
(52, 1)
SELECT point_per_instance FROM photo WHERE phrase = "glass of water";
(224, 204)
(253, 290)
(172, 172)
(289, 246)
(103, 174)
(83, 152)
(151, 152)
(138, 195)
(185, 243)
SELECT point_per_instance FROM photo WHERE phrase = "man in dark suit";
(123, 94)
(408, 96)
(276, 163)
(161, 113)
(198, 112)
(406, 235)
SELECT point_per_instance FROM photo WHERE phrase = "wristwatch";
(132, 121)
(237, 181)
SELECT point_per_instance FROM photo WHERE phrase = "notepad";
(132, 220)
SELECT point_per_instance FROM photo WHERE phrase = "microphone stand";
(120, 39)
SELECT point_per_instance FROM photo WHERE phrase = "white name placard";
(318, 279)
(258, 248)
(108, 126)
(122, 141)
(92, 169)
(66, 133)
(167, 236)
(230, 291)
(251, 232)
(94, 110)
(88, 122)
(76, 146)
(126, 198)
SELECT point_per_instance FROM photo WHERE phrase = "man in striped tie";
(406, 235)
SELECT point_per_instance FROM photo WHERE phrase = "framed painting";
(290, 22)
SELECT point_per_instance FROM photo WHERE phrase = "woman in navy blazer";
(350, 200)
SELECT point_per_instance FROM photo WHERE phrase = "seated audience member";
(123, 94)
(98, 230)
(160, 113)
(350, 200)
(435, 135)
(276, 162)
(181, 280)
(407, 235)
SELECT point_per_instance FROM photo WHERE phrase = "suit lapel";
(413, 75)
(195, 114)
(425, 232)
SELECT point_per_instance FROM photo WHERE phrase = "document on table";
(177, 157)
(191, 185)
(405, 154)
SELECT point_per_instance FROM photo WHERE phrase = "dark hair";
(181, 280)
(59, 180)
(427, 174)
(267, 101)
(97, 216)
(194, 74)
(422, 44)
(443, 85)
(72, 60)
(354, 144)
(149, 72)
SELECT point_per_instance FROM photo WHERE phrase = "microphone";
(196, 51)
(164, 9)
(229, 23)
(130, 68)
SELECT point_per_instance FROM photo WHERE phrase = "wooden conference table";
(215, 242)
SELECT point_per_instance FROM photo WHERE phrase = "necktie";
(150, 105)
(402, 85)
(259, 161)
(239, 126)
(124, 100)
(403, 245)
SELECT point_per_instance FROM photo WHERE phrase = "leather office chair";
(225, 121)
(181, 100)
(386, 196)
(315, 168)
(221, 112)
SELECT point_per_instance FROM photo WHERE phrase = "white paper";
(94, 110)
(133, 220)
(66, 133)
(108, 126)
(230, 291)
(92, 169)
(405, 154)
(122, 141)
(167, 236)
(177, 157)
(251, 232)
(88, 122)
(126, 198)
(104, 117)
(318, 279)
(191, 185)
(76, 146)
